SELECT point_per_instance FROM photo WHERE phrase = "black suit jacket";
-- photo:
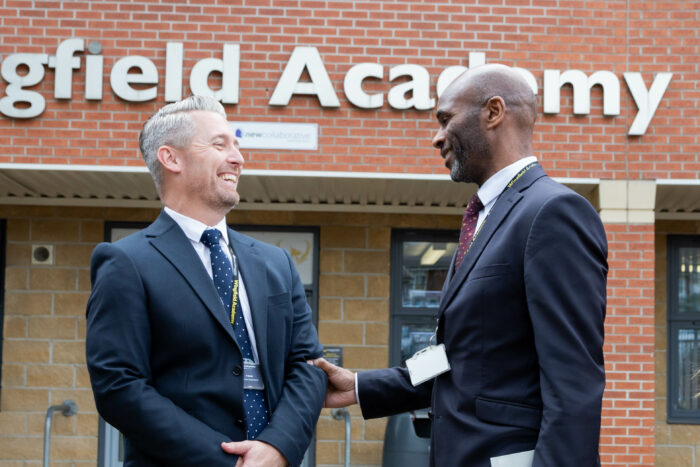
(522, 323)
(164, 365)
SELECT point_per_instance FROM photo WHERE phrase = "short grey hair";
(172, 125)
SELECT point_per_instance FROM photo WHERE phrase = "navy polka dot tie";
(471, 215)
(253, 400)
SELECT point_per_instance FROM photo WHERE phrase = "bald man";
(521, 313)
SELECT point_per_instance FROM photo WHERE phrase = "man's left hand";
(255, 453)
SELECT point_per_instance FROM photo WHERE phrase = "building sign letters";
(21, 71)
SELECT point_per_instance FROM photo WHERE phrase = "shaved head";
(487, 117)
(480, 84)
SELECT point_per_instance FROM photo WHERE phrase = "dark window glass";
(420, 260)
(423, 271)
(688, 280)
(687, 342)
(683, 329)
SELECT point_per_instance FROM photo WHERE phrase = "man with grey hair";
(198, 336)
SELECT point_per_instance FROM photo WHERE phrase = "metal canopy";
(72, 185)
(677, 199)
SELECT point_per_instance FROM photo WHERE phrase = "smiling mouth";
(229, 177)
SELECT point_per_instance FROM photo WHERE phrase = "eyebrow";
(441, 113)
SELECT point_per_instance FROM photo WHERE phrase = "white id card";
(427, 364)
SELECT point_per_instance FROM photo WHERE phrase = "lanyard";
(234, 298)
(510, 184)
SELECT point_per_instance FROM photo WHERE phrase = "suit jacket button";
(240, 422)
(237, 370)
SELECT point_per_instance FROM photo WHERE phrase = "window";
(302, 244)
(419, 264)
(683, 329)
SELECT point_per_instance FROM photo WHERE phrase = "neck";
(205, 215)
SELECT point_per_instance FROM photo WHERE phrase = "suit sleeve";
(293, 420)
(118, 350)
(565, 273)
(389, 392)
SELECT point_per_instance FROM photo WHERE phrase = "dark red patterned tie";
(471, 215)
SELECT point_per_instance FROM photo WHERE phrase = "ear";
(169, 159)
(496, 111)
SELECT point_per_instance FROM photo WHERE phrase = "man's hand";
(341, 384)
(255, 454)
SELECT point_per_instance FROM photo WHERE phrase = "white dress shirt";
(193, 230)
(494, 186)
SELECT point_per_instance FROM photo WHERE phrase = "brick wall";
(44, 336)
(44, 328)
(615, 35)
(627, 433)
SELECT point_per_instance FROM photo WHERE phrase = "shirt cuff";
(357, 393)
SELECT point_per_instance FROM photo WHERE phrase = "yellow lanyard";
(234, 298)
(510, 184)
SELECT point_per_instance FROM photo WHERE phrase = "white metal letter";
(64, 62)
(229, 69)
(419, 86)
(352, 85)
(173, 71)
(320, 85)
(647, 101)
(120, 78)
(14, 91)
(94, 69)
(581, 90)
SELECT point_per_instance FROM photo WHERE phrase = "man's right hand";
(341, 384)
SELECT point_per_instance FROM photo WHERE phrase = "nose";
(234, 156)
(439, 139)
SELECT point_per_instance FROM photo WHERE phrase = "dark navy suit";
(522, 323)
(164, 365)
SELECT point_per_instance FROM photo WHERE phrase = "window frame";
(400, 315)
(677, 320)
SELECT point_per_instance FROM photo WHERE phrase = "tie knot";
(474, 206)
(211, 237)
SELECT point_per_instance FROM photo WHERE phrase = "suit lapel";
(253, 270)
(448, 279)
(171, 242)
(504, 204)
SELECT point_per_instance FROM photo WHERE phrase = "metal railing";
(68, 408)
(340, 414)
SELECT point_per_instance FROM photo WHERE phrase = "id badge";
(427, 364)
(252, 379)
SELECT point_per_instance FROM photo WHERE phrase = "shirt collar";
(194, 229)
(494, 186)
